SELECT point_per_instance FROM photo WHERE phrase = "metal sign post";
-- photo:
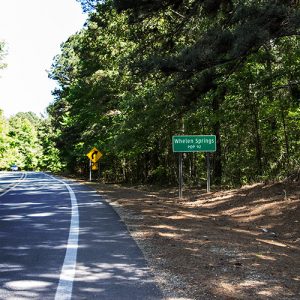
(208, 172)
(90, 165)
(180, 176)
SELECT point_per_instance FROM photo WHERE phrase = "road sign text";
(194, 143)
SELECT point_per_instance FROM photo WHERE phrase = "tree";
(4, 142)
(28, 141)
(141, 71)
(50, 157)
(24, 141)
(2, 54)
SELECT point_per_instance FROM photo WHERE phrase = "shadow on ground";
(237, 244)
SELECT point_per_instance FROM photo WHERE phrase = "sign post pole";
(180, 176)
(90, 170)
(208, 172)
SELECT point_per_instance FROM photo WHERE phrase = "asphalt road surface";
(60, 240)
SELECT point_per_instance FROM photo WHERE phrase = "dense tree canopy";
(142, 71)
(27, 141)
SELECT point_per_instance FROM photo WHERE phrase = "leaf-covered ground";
(236, 244)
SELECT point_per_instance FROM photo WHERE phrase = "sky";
(33, 31)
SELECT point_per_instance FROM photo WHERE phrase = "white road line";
(67, 275)
(10, 187)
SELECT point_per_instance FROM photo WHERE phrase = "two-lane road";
(60, 240)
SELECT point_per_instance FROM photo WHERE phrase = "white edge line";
(19, 180)
(67, 275)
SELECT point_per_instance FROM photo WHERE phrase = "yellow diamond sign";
(94, 155)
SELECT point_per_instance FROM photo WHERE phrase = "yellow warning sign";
(94, 166)
(94, 155)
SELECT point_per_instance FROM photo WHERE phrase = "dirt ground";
(235, 244)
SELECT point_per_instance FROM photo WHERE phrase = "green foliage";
(28, 141)
(50, 156)
(4, 141)
(2, 54)
(24, 141)
(142, 71)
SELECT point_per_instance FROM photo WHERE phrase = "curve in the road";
(13, 185)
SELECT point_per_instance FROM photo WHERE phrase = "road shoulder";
(237, 244)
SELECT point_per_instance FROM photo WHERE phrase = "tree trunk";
(216, 104)
(286, 138)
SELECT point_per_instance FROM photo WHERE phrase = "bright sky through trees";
(33, 31)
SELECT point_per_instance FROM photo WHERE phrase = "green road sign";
(194, 143)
